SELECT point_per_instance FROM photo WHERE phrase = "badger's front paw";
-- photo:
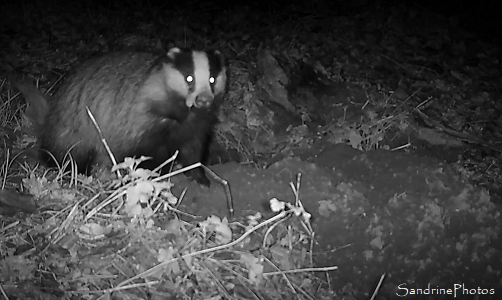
(199, 175)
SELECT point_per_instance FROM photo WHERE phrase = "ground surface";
(391, 114)
(407, 214)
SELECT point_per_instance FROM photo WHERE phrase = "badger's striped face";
(198, 76)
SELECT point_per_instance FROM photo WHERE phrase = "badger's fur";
(144, 104)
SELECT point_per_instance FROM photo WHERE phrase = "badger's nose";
(204, 100)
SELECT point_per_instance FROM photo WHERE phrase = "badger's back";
(140, 101)
(108, 85)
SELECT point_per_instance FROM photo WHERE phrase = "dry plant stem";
(172, 158)
(67, 159)
(285, 277)
(3, 293)
(74, 173)
(103, 140)
(226, 187)
(379, 285)
(52, 87)
(115, 195)
(174, 173)
(401, 147)
(95, 197)
(269, 230)
(305, 222)
(5, 168)
(404, 102)
(182, 196)
(312, 239)
(132, 286)
(292, 285)
(13, 224)
(298, 203)
(244, 281)
(218, 283)
(322, 269)
(60, 230)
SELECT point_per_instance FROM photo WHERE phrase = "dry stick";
(146, 284)
(269, 230)
(8, 163)
(459, 135)
(226, 188)
(238, 276)
(67, 159)
(58, 233)
(48, 90)
(5, 167)
(172, 158)
(7, 227)
(286, 278)
(401, 147)
(103, 140)
(304, 221)
(294, 287)
(320, 269)
(3, 293)
(379, 285)
(218, 283)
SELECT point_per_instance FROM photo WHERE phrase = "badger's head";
(198, 76)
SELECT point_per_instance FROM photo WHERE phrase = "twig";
(3, 292)
(320, 269)
(459, 135)
(377, 288)
(103, 140)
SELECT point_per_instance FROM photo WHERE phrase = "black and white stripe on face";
(204, 75)
(218, 71)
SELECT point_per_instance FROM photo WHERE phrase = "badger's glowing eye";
(189, 78)
(212, 80)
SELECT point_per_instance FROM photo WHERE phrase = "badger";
(145, 104)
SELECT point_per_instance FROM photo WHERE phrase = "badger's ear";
(172, 52)
(217, 61)
(220, 55)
